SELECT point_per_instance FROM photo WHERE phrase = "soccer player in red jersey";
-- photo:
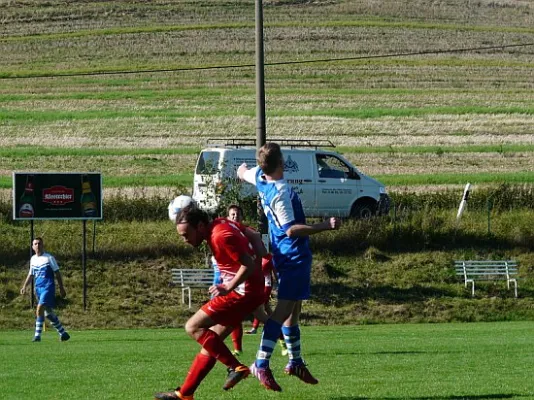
(238, 296)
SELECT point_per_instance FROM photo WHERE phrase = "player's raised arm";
(307, 230)
(246, 174)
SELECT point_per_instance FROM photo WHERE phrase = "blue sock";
(271, 332)
(55, 322)
(292, 339)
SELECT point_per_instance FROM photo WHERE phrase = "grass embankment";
(397, 268)
(445, 361)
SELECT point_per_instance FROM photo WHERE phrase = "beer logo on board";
(58, 195)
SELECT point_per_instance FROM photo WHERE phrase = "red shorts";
(232, 309)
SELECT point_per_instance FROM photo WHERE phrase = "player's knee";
(40, 311)
(191, 328)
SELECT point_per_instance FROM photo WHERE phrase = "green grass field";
(423, 361)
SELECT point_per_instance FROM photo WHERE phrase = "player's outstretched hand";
(335, 223)
(241, 170)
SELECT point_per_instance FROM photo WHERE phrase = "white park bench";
(192, 278)
(487, 270)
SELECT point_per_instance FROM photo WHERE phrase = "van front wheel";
(363, 209)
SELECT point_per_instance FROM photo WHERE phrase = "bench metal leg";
(188, 289)
(515, 285)
(472, 282)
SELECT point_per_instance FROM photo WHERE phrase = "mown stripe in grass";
(365, 113)
(186, 180)
(209, 95)
(375, 23)
(414, 61)
(454, 178)
(503, 148)
(88, 151)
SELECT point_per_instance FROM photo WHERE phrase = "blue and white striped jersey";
(42, 268)
(283, 209)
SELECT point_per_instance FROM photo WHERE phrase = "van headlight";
(382, 190)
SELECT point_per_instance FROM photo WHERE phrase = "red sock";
(213, 344)
(201, 366)
(237, 337)
(256, 323)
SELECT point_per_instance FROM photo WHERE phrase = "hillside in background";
(384, 270)
(414, 92)
(420, 94)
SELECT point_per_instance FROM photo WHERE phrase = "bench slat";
(192, 277)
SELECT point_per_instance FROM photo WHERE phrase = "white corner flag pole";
(463, 203)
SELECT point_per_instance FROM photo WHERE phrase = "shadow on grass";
(408, 240)
(462, 397)
(339, 294)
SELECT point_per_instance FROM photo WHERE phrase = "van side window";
(208, 163)
(329, 166)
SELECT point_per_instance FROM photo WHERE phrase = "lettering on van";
(336, 191)
(297, 189)
(247, 160)
(295, 181)
(290, 165)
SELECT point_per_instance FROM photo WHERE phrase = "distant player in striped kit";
(292, 258)
(44, 267)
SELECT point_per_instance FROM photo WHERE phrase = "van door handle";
(307, 180)
(322, 180)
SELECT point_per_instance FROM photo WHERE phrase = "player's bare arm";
(248, 264)
(254, 237)
(332, 223)
(23, 288)
(60, 284)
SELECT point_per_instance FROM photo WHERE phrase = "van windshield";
(208, 163)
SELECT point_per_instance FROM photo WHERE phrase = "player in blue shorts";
(289, 236)
(43, 267)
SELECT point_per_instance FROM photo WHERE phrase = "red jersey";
(227, 241)
(267, 269)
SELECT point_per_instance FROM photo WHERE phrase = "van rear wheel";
(363, 209)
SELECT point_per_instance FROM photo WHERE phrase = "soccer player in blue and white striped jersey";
(44, 267)
(292, 260)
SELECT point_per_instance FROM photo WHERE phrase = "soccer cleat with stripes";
(174, 395)
(36, 339)
(301, 372)
(266, 378)
(235, 376)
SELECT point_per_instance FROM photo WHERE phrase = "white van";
(327, 184)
